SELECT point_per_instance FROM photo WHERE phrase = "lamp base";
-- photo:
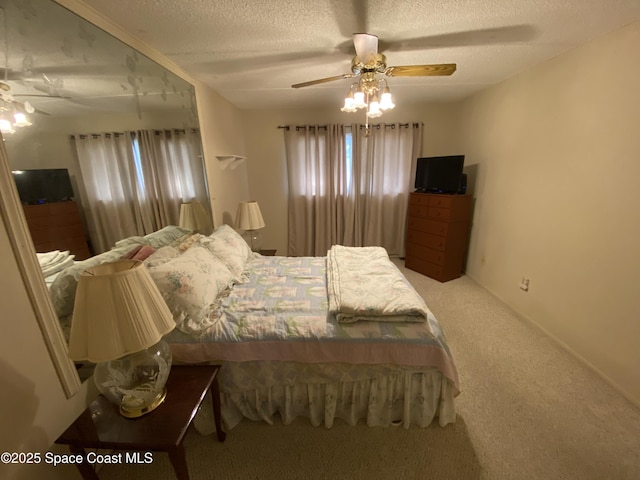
(253, 239)
(130, 406)
(136, 382)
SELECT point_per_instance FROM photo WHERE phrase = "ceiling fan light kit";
(374, 95)
(9, 108)
(371, 92)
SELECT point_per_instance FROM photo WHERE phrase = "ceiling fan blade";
(485, 36)
(421, 70)
(28, 108)
(323, 80)
(39, 95)
(351, 16)
(366, 47)
(41, 112)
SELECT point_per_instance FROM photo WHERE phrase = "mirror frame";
(25, 256)
(16, 224)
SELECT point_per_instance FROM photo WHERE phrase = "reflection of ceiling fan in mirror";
(371, 92)
(11, 108)
(13, 113)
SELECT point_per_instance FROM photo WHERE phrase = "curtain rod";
(377, 125)
(117, 134)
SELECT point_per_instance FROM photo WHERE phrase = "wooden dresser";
(57, 226)
(437, 234)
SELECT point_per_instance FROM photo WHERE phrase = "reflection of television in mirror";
(49, 185)
(439, 174)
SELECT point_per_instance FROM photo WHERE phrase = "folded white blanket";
(363, 284)
(52, 257)
(56, 266)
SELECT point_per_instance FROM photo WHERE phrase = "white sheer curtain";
(108, 184)
(383, 165)
(134, 182)
(317, 176)
(348, 189)
(173, 172)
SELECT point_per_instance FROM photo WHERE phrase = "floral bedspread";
(282, 314)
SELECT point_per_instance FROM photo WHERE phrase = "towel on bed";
(54, 261)
(363, 284)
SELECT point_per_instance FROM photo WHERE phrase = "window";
(135, 146)
(349, 162)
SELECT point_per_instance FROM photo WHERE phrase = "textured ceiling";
(252, 51)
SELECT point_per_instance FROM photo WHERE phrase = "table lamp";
(119, 319)
(194, 217)
(249, 218)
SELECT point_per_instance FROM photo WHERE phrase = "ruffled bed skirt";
(379, 395)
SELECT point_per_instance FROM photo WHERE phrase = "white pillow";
(160, 256)
(193, 285)
(227, 245)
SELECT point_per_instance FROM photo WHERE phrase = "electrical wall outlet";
(524, 284)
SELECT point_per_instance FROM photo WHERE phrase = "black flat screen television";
(439, 174)
(49, 185)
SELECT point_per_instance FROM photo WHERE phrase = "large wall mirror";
(62, 79)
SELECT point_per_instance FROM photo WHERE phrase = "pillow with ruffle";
(160, 256)
(227, 245)
(193, 285)
(189, 241)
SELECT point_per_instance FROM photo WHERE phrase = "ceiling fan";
(9, 99)
(368, 62)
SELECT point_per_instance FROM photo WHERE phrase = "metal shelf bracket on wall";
(230, 161)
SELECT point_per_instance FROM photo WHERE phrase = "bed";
(343, 336)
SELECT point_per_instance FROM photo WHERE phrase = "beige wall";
(557, 152)
(33, 407)
(222, 134)
(266, 156)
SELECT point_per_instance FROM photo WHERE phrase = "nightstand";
(268, 253)
(163, 430)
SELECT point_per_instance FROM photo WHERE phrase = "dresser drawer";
(56, 233)
(426, 268)
(424, 253)
(418, 210)
(440, 201)
(427, 240)
(419, 199)
(427, 225)
(439, 213)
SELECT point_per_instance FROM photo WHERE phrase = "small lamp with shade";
(119, 320)
(249, 218)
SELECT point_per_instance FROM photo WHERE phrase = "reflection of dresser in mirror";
(57, 226)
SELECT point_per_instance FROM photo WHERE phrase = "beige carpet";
(528, 410)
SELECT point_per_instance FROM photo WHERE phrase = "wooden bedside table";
(162, 430)
(268, 253)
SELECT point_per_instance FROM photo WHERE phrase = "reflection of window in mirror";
(91, 99)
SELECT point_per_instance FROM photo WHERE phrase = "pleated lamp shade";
(118, 310)
(249, 216)
(193, 216)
